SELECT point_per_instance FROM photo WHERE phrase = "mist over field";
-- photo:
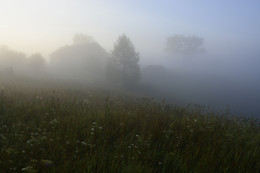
(129, 86)
(203, 53)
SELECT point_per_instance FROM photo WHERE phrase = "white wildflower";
(3, 137)
(83, 143)
(85, 101)
(55, 121)
(28, 169)
(47, 162)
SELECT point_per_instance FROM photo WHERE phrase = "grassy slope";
(82, 131)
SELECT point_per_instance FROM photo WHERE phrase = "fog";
(204, 56)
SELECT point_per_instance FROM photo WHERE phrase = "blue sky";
(43, 25)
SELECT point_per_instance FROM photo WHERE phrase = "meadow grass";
(46, 130)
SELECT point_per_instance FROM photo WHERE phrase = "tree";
(185, 45)
(123, 66)
(10, 58)
(37, 62)
(84, 60)
(82, 39)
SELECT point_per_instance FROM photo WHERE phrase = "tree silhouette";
(37, 62)
(10, 58)
(123, 66)
(82, 39)
(185, 45)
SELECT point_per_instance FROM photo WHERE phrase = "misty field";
(85, 130)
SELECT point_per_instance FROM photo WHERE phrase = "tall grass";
(44, 130)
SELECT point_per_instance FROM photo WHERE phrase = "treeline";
(87, 61)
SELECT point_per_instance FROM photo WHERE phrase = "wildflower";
(38, 97)
(85, 102)
(47, 162)
(13, 169)
(54, 121)
(3, 137)
(42, 149)
(33, 161)
(137, 135)
(159, 163)
(83, 143)
(28, 169)
(92, 129)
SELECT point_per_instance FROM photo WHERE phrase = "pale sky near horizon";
(44, 25)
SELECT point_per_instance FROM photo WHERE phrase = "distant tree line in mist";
(85, 60)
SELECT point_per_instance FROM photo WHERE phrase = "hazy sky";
(44, 25)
